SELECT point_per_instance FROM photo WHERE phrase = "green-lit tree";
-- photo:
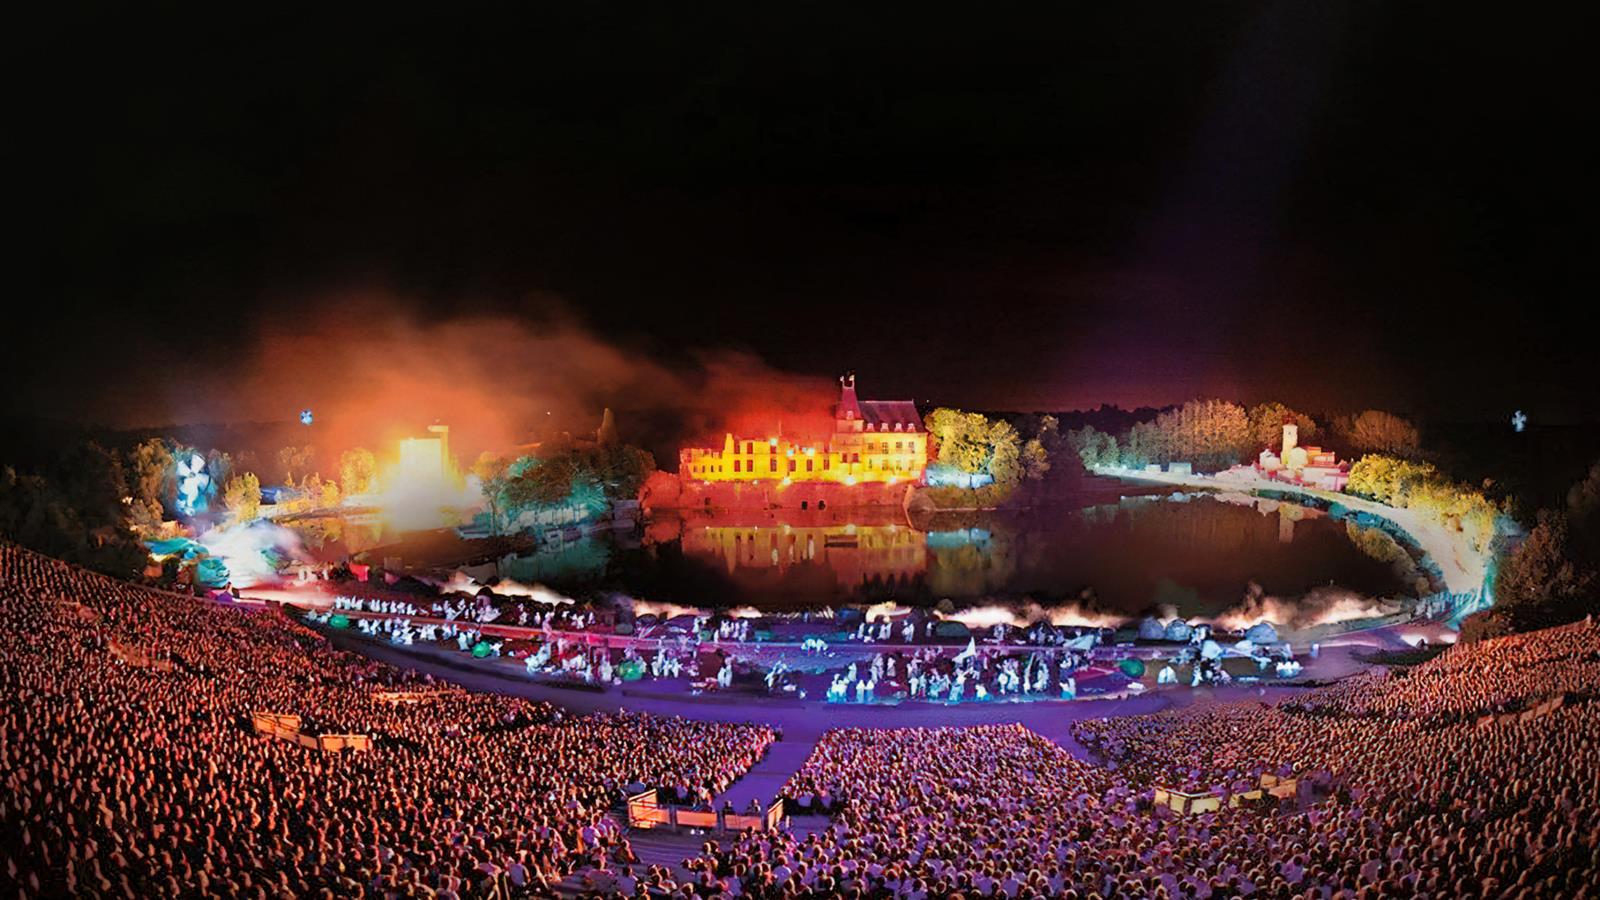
(1094, 447)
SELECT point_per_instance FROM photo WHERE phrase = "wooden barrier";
(1247, 798)
(1188, 802)
(286, 727)
(775, 814)
(645, 812)
(278, 725)
(1543, 708)
(336, 742)
(707, 819)
(1196, 803)
(741, 821)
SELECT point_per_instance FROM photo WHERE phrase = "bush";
(990, 495)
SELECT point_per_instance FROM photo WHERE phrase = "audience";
(1404, 794)
(131, 770)
(145, 780)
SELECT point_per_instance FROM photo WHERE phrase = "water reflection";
(1200, 555)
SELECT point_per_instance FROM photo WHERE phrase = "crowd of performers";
(1040, 661)
(553, 654)
(905, 658)
(929, 673)
(479, 610)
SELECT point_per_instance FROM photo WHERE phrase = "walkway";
(767, 777)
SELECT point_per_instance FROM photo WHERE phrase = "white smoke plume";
(461, 582)
(1320, 606)
(1025, 614)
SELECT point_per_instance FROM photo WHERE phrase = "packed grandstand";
(135, 765)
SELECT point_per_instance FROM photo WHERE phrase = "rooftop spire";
(848, 407)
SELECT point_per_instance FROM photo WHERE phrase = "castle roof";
(884, 415)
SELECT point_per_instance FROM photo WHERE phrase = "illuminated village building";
(1307, 466)
(872, 441)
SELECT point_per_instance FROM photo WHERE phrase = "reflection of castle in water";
(854, 555)
(955, 561)
(1126, 552)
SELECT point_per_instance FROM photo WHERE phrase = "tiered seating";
(1407, 794)
(148, 780)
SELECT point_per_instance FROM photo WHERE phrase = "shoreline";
(1463, 569)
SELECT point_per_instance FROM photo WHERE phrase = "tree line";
(1553, 576)
(1212, 435)
(583, 479)
(978, 460)
(78, 507)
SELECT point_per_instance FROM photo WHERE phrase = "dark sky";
(1337, 205)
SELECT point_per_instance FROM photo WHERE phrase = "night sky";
(1340, 206)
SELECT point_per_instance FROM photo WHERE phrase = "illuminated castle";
(872, 441)
(1310, 466)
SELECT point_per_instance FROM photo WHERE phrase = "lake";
(1198, 556)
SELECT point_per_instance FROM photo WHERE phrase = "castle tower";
(1291, 437)
(849, 409)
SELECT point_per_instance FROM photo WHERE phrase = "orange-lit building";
(871, 441)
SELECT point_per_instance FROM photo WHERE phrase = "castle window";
(791, 465)
(897, 426)
(825, 464)
(747, 446)
(810, 465)
(772, 464)
(736, 465)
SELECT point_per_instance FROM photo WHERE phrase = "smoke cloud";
(1025, 614)
(373, 369)
(1320, 606)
